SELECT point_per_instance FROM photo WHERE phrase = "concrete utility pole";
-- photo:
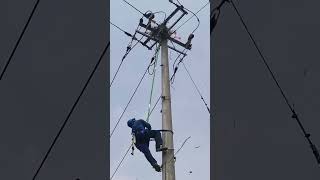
(161, 34)
(168, 169)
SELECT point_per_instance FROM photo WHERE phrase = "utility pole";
(161, 34)
(168, 169)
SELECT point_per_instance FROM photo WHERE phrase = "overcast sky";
(190, 117)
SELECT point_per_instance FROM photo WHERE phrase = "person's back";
(139, 127)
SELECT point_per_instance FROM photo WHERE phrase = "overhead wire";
(19, 39)
(134, 7)
(194, 14)
(294, 114)
(153, 78)
(195, 85)
(128, 50)
(130, 100)
(124, 156)
(174, 156)
(71, 111)
(118, 166)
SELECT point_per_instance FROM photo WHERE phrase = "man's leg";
(145, 150)
(157, 137)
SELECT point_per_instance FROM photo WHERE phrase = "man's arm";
(147, 125)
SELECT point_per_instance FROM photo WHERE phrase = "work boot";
(157, 167)
(161, 148)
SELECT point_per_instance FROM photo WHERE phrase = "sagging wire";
(128, 50)
(129, 46)
(155, 59)
(194, 14)
(174, 156)
(118, 121)
(195, 85)
(165, 14)
(131, 145)
(175, 69)
(192, 17)
(294, 114)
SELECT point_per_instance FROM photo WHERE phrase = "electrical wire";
(174, 156)
(133, 7)
(294, 114)
(71, 111)
(194, 14)
(122, 159)
(195, 85)
(130, 100)
(19, 39)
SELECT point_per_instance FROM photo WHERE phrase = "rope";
(130, 99)
(152, 85)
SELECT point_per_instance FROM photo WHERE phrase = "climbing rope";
(153, 78)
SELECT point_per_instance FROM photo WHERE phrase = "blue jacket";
(140, 127)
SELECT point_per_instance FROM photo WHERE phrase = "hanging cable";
(174, 156)
(294, 114)
(131, 145)
(130, 100)
(152, 85)
(129, 48)
(121, 161)
(175, 68)
(194, 14)
(71, 111)
(196, 87)
(19, 40)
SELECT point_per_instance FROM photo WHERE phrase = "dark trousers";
(142, 143)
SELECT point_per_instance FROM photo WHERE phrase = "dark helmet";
(131, 122)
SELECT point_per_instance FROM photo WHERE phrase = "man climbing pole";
(142, 133)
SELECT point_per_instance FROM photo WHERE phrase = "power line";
(19, 39)
(294, 114)
(121, 161)
(133, 7)
(125, 32)
(129, 49)
(196, 88)
(144, 74)
(131, 144)
(184, 142)
(194, 14)
(71, 111)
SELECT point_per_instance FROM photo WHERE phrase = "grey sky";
(266, 142)
(55, 57)
(190, 117)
